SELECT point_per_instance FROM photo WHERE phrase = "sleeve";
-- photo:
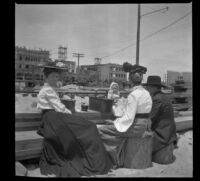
(155, 112)
(130, 111)
(55, 102)
(109, 96)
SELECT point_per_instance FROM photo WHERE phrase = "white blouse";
(138, 101)
(48, 99)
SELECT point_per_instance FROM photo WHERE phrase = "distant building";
(105, 72)
(172, 76)
(26, 61)
(187, 76)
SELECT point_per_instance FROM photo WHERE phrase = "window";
(20, 57)
(37, 77)
(19, 76)
(26, 66)
(28, 76)
(20, 66)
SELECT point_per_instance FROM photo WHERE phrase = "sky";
(105, 30)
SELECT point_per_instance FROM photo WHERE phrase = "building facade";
(26, 65)
(187, 76)
(172, 76)
(105, 72)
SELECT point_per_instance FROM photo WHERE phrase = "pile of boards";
(28, 144)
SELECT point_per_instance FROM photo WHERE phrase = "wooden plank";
(29, 143)
(28, 120)
(27, 126)
(185, 113)
(183, 118)
(89, 113)
(27, 115)
(28, 154)
(184, 126)
(27, 135)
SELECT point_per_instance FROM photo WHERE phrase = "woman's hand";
(68, 111)
(109, 122)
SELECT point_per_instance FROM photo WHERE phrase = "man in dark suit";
(163, 124)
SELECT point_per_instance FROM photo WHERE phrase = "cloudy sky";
(104, 31)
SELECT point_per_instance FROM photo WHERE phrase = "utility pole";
(138, 29)
(78, 55)
(138, 37)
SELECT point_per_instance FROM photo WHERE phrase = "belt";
(46, 110)
(142, 115)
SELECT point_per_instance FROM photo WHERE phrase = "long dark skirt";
(72, 147)
(116, 142)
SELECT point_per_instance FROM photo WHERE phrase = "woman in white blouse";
(134, 121)
(72, 146)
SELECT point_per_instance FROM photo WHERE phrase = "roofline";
(103, 64)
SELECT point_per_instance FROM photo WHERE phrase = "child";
(118, 104)
(113, 92)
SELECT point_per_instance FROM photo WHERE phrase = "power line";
(150, 35)
(174, 22)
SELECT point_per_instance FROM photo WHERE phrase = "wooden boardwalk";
(28, 144)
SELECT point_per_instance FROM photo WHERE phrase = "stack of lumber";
(28, 144)
(183, 113)
(184, 123)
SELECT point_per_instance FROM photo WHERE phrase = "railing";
(73, 92)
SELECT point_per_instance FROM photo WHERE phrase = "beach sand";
(182, 167)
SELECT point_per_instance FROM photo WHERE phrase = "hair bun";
(127, 67)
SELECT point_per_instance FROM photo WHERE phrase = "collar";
(47, 85)
(157, 92)
(136, 87)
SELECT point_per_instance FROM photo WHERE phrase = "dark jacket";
(163, 124)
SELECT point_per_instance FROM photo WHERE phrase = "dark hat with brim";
(154, 80)
(51, 66)
(127, 67)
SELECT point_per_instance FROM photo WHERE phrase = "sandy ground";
(182, 167)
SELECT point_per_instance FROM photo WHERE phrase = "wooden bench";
(31, 121)
(28, 144)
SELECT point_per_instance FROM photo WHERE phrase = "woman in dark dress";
(72, 146)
